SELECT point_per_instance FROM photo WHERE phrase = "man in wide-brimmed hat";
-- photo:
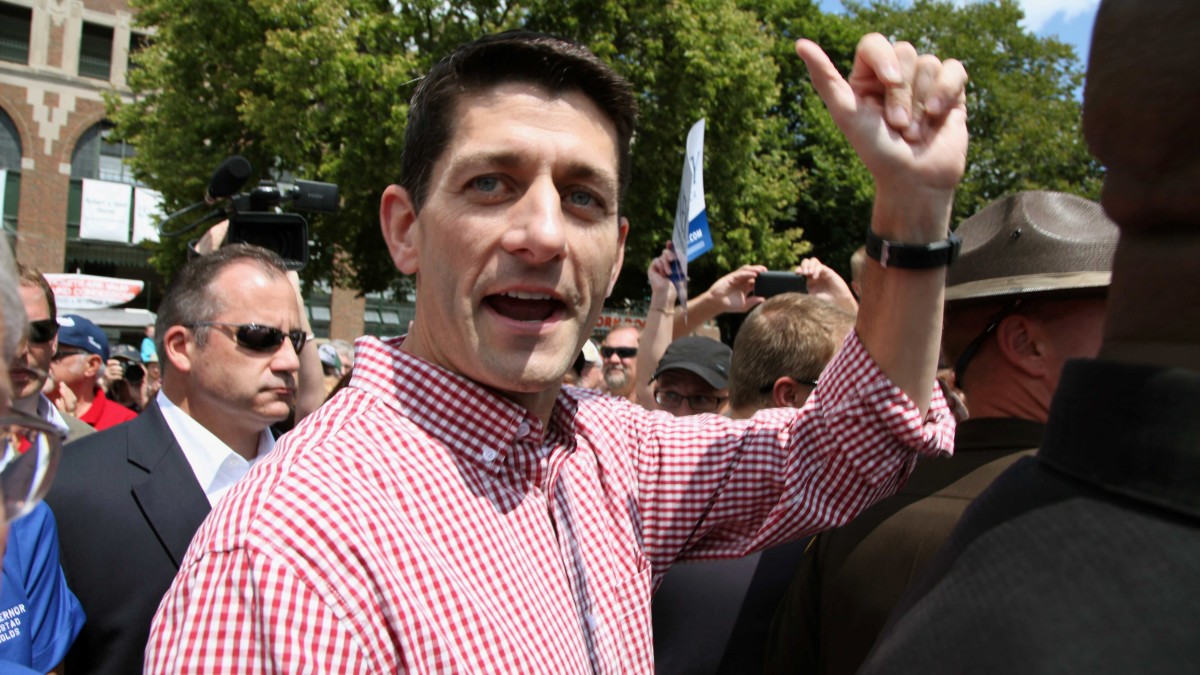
(1085, 558)
(1028, 292)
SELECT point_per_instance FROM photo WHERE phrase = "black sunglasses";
(42, 331)
(623, 352)
(258, 338)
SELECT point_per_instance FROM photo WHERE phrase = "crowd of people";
(976, 456)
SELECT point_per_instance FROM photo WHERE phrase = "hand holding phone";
(768, 284)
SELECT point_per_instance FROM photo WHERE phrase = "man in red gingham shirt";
(455, 509)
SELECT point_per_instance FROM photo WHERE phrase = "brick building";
(57, 59)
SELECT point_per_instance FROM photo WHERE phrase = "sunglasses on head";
(42, 331)
(258, 338)
(623, 352)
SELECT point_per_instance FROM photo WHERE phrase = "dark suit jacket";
(127, 505)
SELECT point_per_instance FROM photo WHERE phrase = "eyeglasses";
(258, 338)
(42, 331)
(623, 352)
(28, 459)
(699, 402)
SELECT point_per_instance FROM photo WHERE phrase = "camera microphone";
(227, 179)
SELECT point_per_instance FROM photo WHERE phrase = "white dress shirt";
(216, 466)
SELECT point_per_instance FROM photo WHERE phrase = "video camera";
(256, 217)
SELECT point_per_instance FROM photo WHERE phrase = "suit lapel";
(169, 496)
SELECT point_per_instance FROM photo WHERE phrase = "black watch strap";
(913, 256)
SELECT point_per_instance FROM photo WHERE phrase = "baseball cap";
(121, 351)
(329, 356)
(703, 356)
(76, 331)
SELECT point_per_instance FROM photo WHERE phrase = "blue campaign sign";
(691, 235)
(699, 240)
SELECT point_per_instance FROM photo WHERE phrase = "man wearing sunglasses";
(30, 368)
(618, 356)
(129, 499)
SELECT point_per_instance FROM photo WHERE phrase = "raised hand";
(827, 284)
(904, 114)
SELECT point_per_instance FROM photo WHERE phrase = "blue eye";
(486, 184)
(580, 198)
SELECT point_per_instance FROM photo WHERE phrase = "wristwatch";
(913, 256)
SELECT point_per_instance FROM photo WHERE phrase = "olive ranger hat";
(1033, 243)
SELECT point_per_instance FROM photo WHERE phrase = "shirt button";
(523, 429)
(489, 455)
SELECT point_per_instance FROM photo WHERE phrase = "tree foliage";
(319, 89)
(1023, 114)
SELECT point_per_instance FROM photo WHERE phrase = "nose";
(285, 360)
(537, 224)
(21, 357)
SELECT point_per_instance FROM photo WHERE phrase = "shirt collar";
(1128, 429)
(208, 456)
(468, 418)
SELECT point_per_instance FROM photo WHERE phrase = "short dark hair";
(788, 335)
(189, 298)
(555, 64)
(31, 276)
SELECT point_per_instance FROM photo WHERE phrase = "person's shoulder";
(76, 428)
(37, 523)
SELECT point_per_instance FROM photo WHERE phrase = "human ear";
(788, 393)
(397, 220)
(1022, 342)
(177, 342)
(622, 233)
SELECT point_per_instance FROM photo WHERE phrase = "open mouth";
(521, 306)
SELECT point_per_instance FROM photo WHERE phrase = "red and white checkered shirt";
(419, 522)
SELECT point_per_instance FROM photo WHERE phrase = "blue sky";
(1070, 20)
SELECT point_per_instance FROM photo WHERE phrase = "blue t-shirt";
(39, 616)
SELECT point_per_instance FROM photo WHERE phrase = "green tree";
(317, 89)
(320, 91)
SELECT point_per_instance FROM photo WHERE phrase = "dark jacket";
(1083, 559)
(852, 577)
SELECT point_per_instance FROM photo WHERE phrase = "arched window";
(97, 157)
(10, 162)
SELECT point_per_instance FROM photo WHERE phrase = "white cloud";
(1039, 12)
